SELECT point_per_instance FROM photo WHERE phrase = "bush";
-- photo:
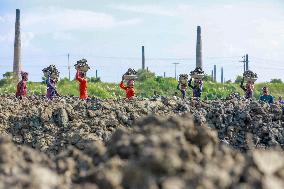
(229, 81)
(239, 79)
(8, 78)
(95, 79)
(208, 78)
(144, 75)
(276, 81)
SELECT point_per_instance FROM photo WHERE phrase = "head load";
(198, 73)
(131, 74)
(183, 79)
(249, 76)
(82, 66)
(52, 72)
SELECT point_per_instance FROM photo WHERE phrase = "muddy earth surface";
(159, 143)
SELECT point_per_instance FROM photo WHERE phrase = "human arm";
(189, 83)
(178, 86)
(121, 85)
(242, 85)
(78, 78)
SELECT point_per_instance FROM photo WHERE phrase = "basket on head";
(183, 78)
(131, 74)
(250, 76)
(82, 65)
(51, 71)
(198, 73)
(46, 72)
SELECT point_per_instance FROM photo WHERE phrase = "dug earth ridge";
(151, 143)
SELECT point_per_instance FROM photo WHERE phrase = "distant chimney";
(199, 48)
(143, 58)
(222, 75)
(215, 73)
(17, 45)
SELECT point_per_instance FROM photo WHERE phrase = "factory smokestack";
(199, 48)
(17, 45)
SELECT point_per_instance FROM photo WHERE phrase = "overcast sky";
(109, 34)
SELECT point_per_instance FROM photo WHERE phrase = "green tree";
(276, 81)
(239, 79)
(207, 78)
(8, 78)
(95, 79)
(144, 75)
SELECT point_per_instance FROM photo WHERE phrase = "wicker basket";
(250, 79)
(46, 74)
(197, 76)
(83, 68)
(130, 77)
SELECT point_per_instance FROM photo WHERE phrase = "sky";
(110, 33)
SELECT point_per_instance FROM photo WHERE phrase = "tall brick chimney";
(17, 45)
(199, 48)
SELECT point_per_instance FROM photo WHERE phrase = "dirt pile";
(157, 153)
(51, 126)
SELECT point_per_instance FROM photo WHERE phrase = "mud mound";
(51, 126)
(162, 153)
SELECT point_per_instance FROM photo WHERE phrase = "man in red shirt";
(129, 89)
(22, 86)
(80, 76)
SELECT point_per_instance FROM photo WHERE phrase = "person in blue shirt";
(266, 97)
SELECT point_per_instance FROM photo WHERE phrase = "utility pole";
(244, 62)
(215, 71)
(176, 63)
(164, 74)
(143, 58)
(69, 67)
(222, 75)
(212, 75)
(247, 62)
(96, 73)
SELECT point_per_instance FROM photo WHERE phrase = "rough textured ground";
(68, 143)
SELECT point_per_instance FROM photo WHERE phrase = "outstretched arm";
(242, 85)
(189, 83)
(122, 85)
(78, 78)
(178, 86)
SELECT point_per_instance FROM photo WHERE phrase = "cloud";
(145, 9)
(26, 38)
(7, 37)
(61, 20)
(62, 36)
(2, 19)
